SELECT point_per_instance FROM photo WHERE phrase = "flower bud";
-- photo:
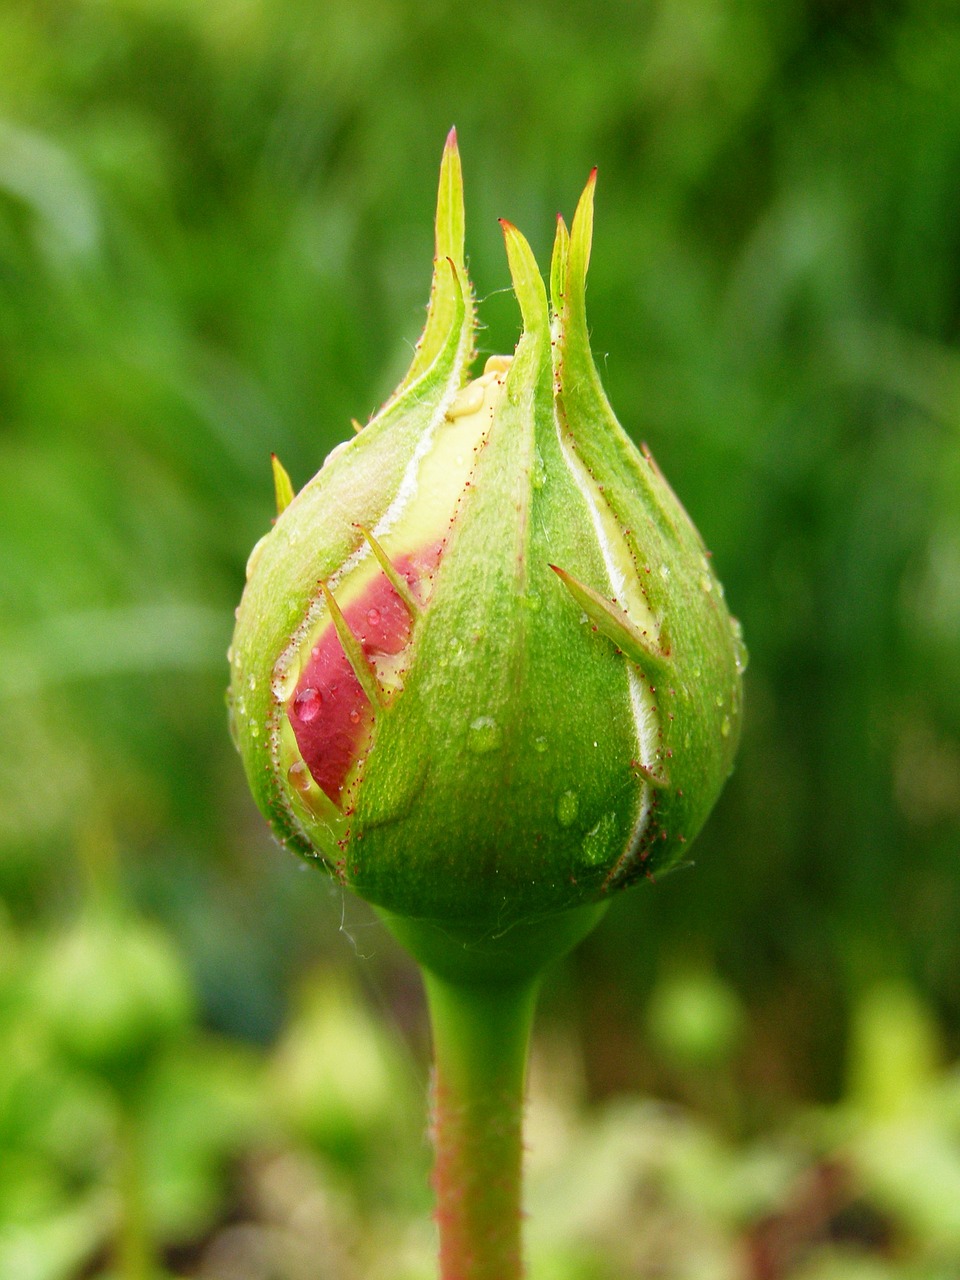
(112, 991)
(483, 669)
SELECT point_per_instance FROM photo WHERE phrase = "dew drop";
(596, 844)
(254, 729)
(705, 583)
(540, 745)
(725, 726)
(568, 806)
(719, 700)
(532, 601)
(484, 735)
(665, 572)
(252, 683)
(254, 558)
(373, 617)
(538, 473)
(299, 776)
(307, 704)
(335, 452)
(354, 716)
(740, 654)
(230, 654)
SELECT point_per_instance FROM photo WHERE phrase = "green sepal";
(396, 580)
(446, 295)
(457, 821)
(700, 695)
(527, 281)
(616, 625)
(313, 538)
(353, 649)
(558, 266)
(282, 485)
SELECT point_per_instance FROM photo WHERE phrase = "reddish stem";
(480, 1034)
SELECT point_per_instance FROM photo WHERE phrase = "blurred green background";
(215, 242)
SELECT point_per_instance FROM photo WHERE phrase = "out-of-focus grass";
(215, 234)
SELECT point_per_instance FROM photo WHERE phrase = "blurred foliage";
(215, 240)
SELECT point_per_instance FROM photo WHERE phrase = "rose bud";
(483, 670)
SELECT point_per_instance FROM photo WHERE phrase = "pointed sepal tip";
(613, 622)
(399, 583)
(282, 485)
(527, 281)
(353, 650)
(558, 266)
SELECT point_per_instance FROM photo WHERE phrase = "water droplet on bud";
(596, 844)
(254, 729)
(299, 776)
(725, 726)
(568, 806)
(538, 473)
(484, 735)
(254, 558)
(335, 452)
(354, 716)
(373, 617)
(252, 683)
(306, 705)
(740, 654)
(540, 745)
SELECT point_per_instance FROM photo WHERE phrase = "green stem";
(480, 1036)
(134, 1252)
